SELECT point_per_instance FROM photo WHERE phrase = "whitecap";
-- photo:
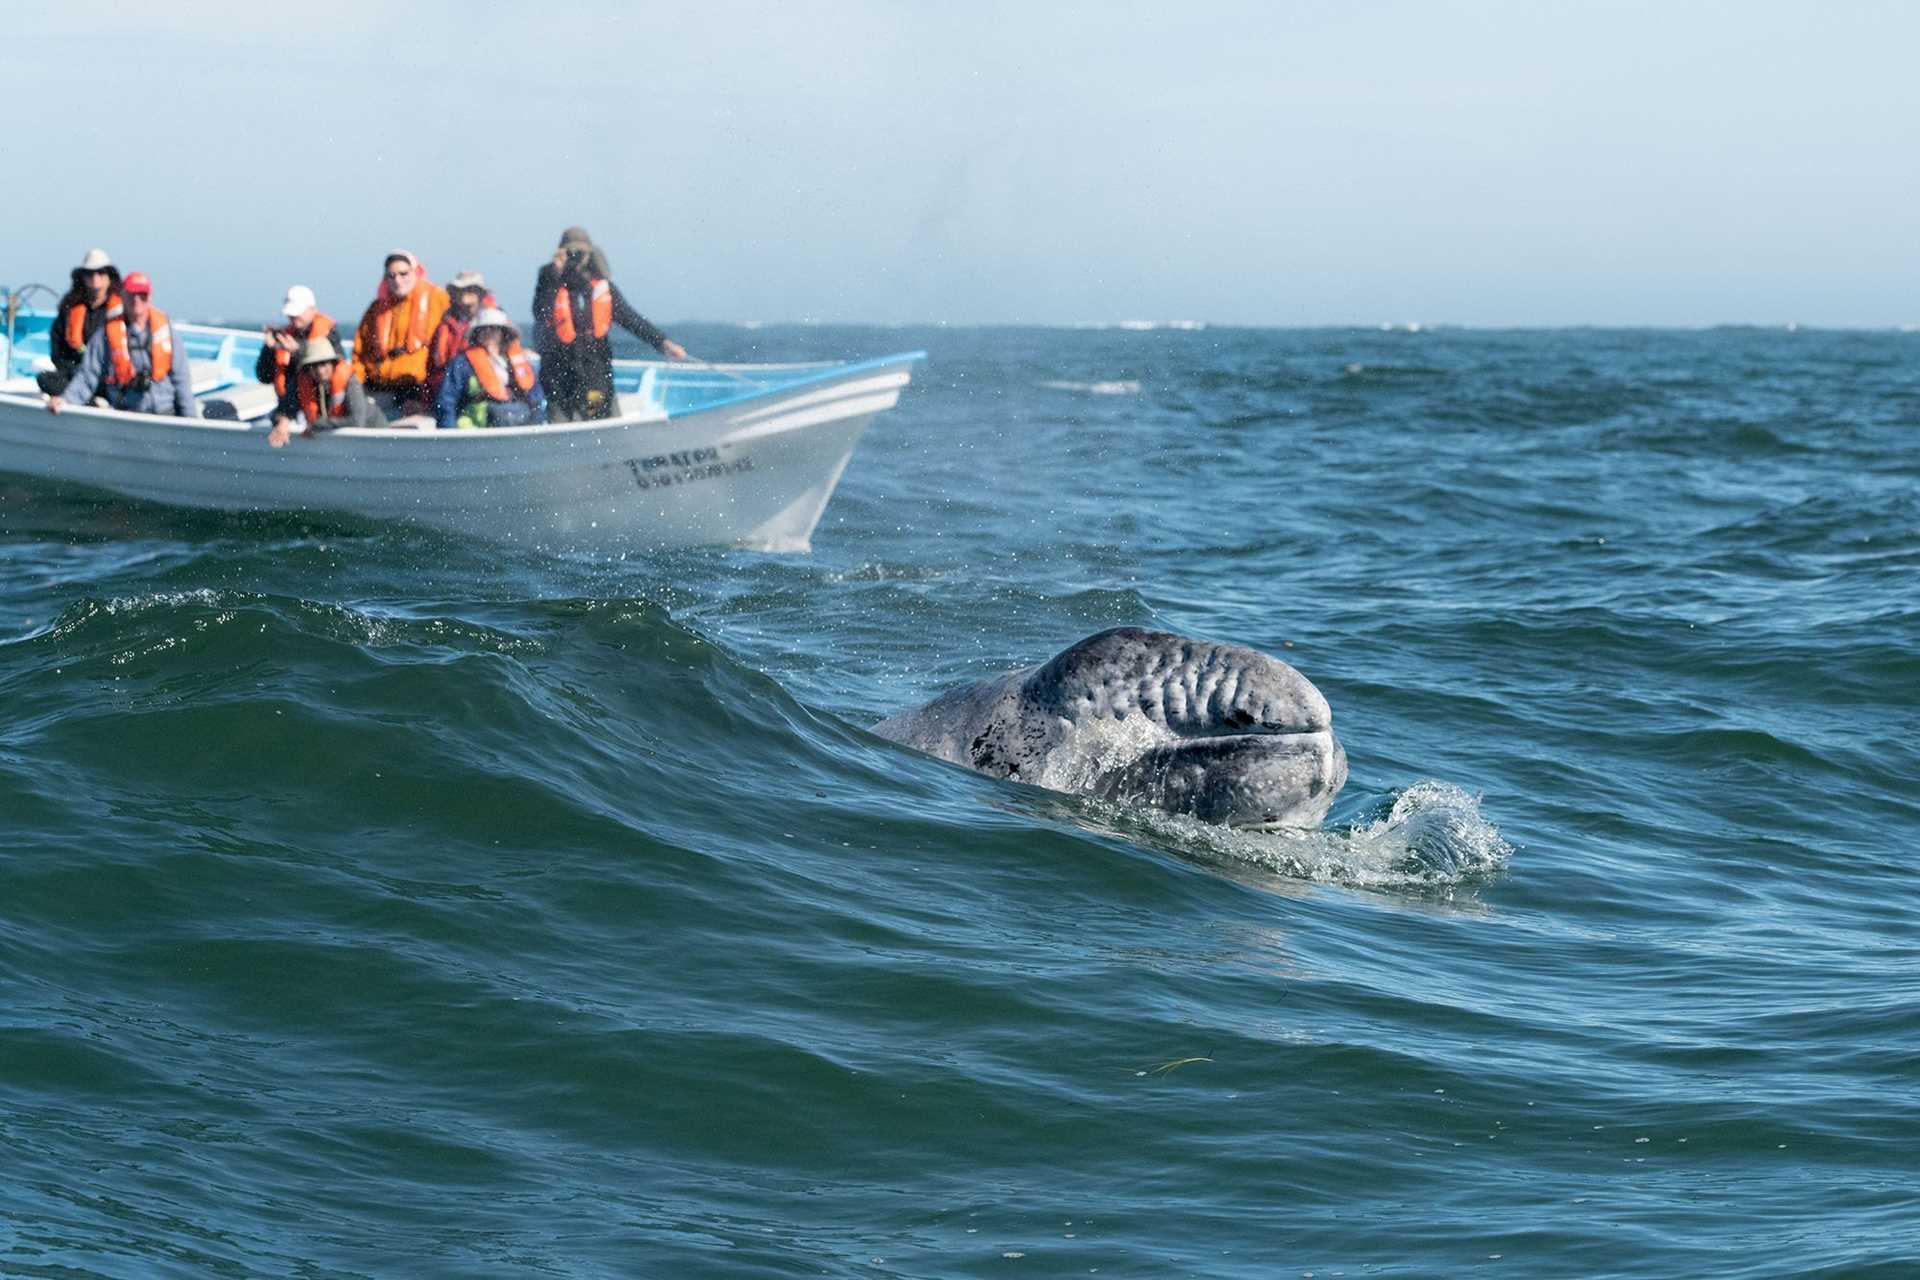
(1118, 387)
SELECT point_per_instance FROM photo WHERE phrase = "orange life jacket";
(159, 346)
(77, 320)
(283, 359)
(602, 297)
(416, 304)
(336, 394)
(489, 376)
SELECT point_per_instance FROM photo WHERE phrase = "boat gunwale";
(828, 372)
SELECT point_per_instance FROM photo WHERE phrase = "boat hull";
(755, 472)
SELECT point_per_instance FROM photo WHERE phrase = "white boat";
(744, 454)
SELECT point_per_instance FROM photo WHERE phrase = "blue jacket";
(454, 394)
(173, 397)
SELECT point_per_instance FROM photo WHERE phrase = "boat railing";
(14, 302)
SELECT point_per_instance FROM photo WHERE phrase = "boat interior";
(224, 382)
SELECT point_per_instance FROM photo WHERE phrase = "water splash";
(1430, 835)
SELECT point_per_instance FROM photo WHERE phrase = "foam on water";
(1430, 835)
(1116, 387)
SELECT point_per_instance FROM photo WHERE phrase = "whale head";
(1224, 733)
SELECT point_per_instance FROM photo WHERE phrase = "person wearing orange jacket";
(491, 383)
(575, 307)
(390, 346)
(132, 361)
(324, 394)
(96, 286)
(283, 345)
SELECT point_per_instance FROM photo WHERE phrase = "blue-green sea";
(378, 903)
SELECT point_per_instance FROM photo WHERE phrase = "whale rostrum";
(1221, 732)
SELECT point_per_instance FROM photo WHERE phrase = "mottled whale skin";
(1221, 732)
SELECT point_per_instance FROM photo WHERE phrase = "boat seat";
(210, 375)
(244, 402)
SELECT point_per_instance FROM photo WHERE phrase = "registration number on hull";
(686, 466)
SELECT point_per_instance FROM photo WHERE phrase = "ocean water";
(376, 903)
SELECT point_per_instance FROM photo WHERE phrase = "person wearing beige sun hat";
(95, 291)
(324, 394)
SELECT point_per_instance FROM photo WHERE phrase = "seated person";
(390, 346)
(131, 363)
(325, 394)
(285, 344)
(467, 294)
(96, 286)
(491, 383)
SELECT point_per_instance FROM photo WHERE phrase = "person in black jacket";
(575, 306)
(96, 287)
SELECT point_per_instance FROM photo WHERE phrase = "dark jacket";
(263, 369)
(569, 371)
(67, 358)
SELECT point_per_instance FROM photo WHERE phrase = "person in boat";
(326, 395)
(284, 344)
(491, 383)
(132, 363)
(390, 346)
(467, 293)
(96, 288)
(575, 306)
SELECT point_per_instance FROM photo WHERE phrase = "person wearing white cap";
(491, 383)
(283, 344)
(390, 346)
(467, 293)
(95, 292)
(324, 394)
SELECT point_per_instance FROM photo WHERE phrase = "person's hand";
(281, 430)
(559, 259)
(673, 350)
(53, 404)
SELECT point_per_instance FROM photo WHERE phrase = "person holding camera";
(575, 306)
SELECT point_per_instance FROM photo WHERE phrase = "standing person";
(575, 307)
(285, 343)
(325, 394)
(131, 361)
(491, 383)
(390, 346)
(467, 294)
(95, 292)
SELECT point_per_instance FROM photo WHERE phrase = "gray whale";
(1221, 732)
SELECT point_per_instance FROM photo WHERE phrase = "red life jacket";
(77, 320)
(602, 299)
(336, 394)
(489, 376)
(283, 359)
(447, 340)
(159, 346)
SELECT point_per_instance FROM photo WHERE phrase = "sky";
(1507, 162)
